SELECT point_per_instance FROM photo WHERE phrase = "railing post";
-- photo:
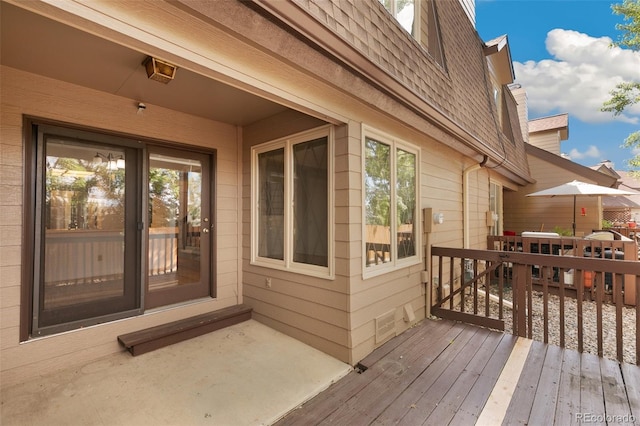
(520, 298)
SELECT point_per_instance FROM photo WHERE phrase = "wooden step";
(149, 339)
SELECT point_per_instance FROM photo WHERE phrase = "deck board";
(478, 395)
(522, 401)
(568, 402)
(591, 400)
(457, 394)
(546, 395)
(442, 372)
(615, 397)
(398, 373)
(631, 376)
(415, 398)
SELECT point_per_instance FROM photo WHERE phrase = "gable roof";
(579, 170)
(499, 47)
(605, 167)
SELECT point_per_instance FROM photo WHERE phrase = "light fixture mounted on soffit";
(159, 70)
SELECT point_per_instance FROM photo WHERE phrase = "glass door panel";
(179, 227)
(84, 270)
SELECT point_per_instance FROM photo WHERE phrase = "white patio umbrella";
(576, 188)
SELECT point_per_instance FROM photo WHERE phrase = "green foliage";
(378, 183)
(562, 231)
(606, 224)
(630, 37)
(627, 93)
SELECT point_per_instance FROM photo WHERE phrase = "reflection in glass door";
(178, 265)
(87, 256)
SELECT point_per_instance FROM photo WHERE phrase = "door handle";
(205, 230)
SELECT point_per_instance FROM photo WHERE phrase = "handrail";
(470, 285)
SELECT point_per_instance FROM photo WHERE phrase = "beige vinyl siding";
(549, 141)
(545, 213)
(29, 94)
(520, 96)
(441, 189)
(311, 309)
(334, 315)
(478, 199)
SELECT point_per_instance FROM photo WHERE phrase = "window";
(391, 234)
(495, 208)
(405, 13)
(96, 251)
(434, 39)
(292, 203)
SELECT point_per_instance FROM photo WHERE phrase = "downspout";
(465, 223)
(465, 200)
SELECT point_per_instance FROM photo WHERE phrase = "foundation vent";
(385, 326)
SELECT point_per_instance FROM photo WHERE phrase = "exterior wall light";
(438, 218)
(159, 70)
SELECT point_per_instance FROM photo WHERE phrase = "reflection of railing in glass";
(174, 221)
(81, 266)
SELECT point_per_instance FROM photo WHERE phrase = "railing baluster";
(579, 299)
(562, 319)
(599, 300)
(529, 312)
(440, 283)
(451, 282)
(637, 284)
(463, 286)
(501, 294)
(616, 281)
(545, 310)
(520, 284)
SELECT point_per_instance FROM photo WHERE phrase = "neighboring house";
(620, 210)
(549, 169)
(286, 164)
(630, 182)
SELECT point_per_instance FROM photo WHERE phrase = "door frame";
(159, 298)
(31, 261)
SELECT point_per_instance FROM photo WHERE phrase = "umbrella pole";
(574, 215)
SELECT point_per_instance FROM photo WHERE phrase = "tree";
(627, 93)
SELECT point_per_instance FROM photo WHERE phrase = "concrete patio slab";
(246, 374)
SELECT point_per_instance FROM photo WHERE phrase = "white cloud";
(591, 152)
(579, 78)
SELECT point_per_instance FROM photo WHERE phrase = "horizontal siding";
(545, 213)
(24, 93)
(549, 141)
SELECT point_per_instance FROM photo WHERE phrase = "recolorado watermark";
(605, 418)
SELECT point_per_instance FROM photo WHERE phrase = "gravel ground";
(589, 319)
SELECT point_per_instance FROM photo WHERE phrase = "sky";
(562, 56)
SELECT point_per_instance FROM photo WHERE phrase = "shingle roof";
(553, 122)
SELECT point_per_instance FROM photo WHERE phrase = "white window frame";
(394, 263)
(393, 10)
(497, 227)
(288, 264)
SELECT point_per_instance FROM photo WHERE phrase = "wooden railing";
(492, 288)
(572, 246)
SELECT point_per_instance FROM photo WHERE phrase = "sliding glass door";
(180, 226)
(119, 226)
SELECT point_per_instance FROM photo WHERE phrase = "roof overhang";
(500, 54)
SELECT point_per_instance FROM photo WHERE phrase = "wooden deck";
(442, 372)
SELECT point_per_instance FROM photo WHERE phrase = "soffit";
(497, 50)
(42, 46)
